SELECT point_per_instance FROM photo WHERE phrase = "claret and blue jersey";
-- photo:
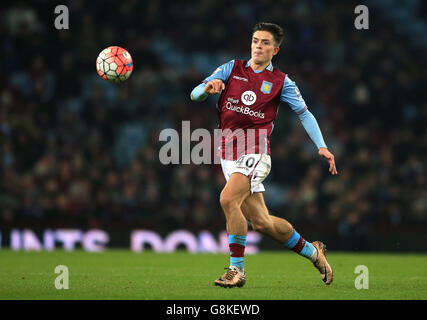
(289, 91)
(251, 99)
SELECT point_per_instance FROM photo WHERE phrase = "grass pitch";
(122, 274)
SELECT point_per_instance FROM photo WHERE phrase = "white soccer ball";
(114, 64)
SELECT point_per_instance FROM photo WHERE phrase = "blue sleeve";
(310, 125)
(223, 72)
(292, 96)
(198, 94)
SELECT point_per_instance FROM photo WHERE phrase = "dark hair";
(273, 28)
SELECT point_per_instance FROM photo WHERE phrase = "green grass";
(122, 274)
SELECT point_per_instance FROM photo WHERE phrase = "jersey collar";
(269, 67)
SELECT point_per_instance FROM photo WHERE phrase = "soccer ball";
(114, 64)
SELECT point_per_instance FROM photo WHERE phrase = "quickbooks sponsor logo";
(244, 110)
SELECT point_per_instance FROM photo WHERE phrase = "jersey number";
(250, 162)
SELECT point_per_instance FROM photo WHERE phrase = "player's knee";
(227, 202)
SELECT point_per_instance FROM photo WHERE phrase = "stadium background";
(77, 152)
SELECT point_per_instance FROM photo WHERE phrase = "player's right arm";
(214, 86)
(214, 83)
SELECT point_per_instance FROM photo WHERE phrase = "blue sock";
(301, 246)
(237, 244)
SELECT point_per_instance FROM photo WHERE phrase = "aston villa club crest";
(266, 87)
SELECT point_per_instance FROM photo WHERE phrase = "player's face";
(263, 47)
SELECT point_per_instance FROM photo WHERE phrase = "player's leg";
(248, 172)
(279, 229)
(255, 210)
(236, 190)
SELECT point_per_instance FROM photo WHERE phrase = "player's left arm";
(292, 96)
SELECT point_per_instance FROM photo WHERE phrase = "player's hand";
(214, 86)
(323, 152)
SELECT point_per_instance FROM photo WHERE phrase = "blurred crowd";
(78, 151)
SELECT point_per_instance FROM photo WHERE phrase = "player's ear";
(276, 50)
